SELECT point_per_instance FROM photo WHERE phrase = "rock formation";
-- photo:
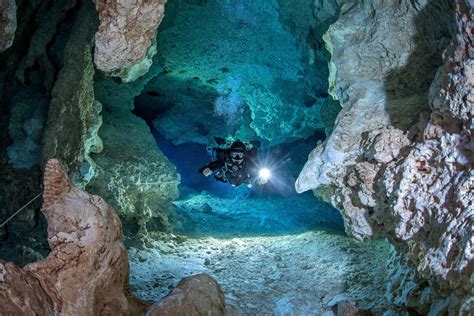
(196, 295)
(73, 119)
(132, 173)
(125, 40)
(399, 161)
(86, 272)
(7, 23)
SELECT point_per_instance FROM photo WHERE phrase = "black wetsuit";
(226, 170)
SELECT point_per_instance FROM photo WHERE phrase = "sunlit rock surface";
(87, 270)
(132, 173)
(237, 68)
(73, 119)
(125, 40)
(399, 161)
(7, 23)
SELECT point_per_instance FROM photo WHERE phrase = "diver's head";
(237, 151)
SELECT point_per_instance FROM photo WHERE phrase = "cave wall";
(51, 90)
(399, 161)
(28, 69)
(73, 119)
(132, 173)
(7, 23)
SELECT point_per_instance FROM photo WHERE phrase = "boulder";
(195, 295)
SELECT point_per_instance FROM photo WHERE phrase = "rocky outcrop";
(399, 161)
(132, 172)
(195, 295)
(7, 23)
(125, 40)
(87, 270)
(73, 119)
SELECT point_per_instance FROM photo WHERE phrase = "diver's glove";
(262, 181)
(207, 172)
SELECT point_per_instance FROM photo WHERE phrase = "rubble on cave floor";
(282, 256)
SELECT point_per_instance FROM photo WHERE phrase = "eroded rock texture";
(125, 40)
(132, 173)
(73, 118)
(399, 161)
(86, 272)
(195, 295)
(7, 23)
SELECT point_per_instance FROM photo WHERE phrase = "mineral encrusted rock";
(132, 173)
(73, 118)
(399, 161)
(7, 23)
(125, 40)
(195, 295)
(86, 272)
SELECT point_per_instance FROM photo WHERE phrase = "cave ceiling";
(237, 68)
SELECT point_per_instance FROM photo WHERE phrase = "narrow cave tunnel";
(136, 99)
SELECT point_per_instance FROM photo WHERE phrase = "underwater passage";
(247, 157)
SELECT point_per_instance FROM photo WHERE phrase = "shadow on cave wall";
(406, 88)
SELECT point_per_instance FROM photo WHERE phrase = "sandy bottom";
(282, 256)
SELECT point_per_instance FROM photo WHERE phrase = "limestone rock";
(7, 23)
(73, 119)
(87, 270)
(195, 295)
(400, 157)
(132, 173)
(125, 40)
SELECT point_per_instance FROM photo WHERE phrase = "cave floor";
(282, 256)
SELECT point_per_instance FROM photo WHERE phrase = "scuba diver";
(234, 163)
